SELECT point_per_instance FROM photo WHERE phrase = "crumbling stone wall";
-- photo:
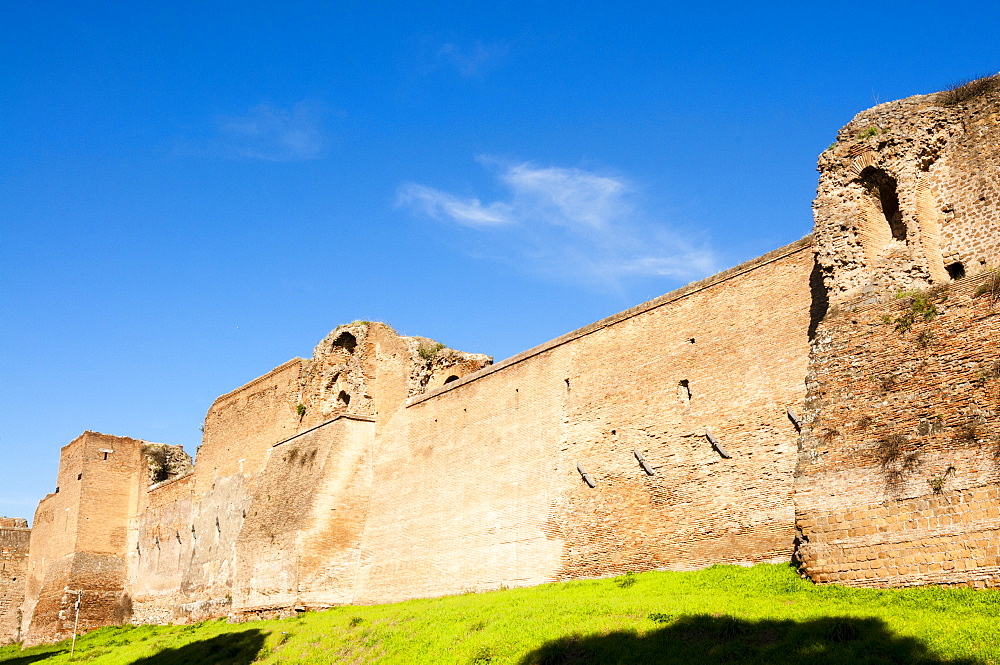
(165, 462)
(15, 539)
(199, 551)
(909, 194)
(895, 483)
(350, 371)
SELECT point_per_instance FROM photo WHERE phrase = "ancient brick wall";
(897, 476)
(197, 553)
(476, 483)
(242, 425)
(909, 194)
(158, 561)
(898, 461)
(300, 541)
(388, 467)
(81, 534)
(15, 537)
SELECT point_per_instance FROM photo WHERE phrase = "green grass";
(724, 614)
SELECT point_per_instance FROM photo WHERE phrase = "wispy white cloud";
(440, 205)
(470, 59)
(264, 133)
(568, 222)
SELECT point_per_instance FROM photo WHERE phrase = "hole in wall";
(79, 476)
(344, 398)
(451, 378)
(882, 188)
(690, 340)
(684, 392)
(345, 341)
(955, 270)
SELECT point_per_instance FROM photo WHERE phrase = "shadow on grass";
(702, 639)
(33, 658)
(226, 649)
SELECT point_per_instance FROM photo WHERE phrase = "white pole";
(76, 622)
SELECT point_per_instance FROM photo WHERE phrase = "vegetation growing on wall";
(968, 89)
(428, 351)
(990, 289)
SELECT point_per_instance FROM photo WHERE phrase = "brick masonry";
(897, 476)
(898, 461)
(14, 542)
(387, 467)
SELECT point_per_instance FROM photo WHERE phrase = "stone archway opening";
(882, 189)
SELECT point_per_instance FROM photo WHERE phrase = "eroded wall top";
(908, 194)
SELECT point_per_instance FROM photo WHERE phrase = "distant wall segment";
(15, 539)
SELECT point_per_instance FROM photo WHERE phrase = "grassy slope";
(764, 614)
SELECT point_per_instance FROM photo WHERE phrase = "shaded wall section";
(476, 484)
(15, 537)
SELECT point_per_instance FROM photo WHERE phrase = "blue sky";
(192, 193)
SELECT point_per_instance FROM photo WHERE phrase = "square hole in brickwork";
(955, 270)
(684, 392)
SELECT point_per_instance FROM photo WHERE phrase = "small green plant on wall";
(937, 482)
(920, 306)
(430, 350)
(990, 288)
(869, 132)
(300, 409)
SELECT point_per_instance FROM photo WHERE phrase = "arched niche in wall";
(883, 195)
(345, 342)
(882, 222)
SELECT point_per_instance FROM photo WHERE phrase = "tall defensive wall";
(835, 401)
(388, 467)
(900, 455)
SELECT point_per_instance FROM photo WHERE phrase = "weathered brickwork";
(15, 538)
(300, 542)
(898, 459)
(476, 484)
(899, 463)
(909, 195)
(836, 400)
(80, 536)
